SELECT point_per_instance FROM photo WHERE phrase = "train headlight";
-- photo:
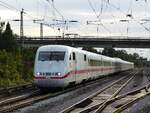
(58, 74)
(38, 74)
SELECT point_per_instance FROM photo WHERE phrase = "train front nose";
(49, 68)
(49, 79)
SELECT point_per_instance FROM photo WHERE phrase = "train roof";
(47, 47)
(64, 47)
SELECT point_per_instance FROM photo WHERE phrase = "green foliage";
(1, 27)
(10, 69)
(16, 67)
(90, 49)
(28, 62)
(109, 52)
(7, 39)
(135, 58)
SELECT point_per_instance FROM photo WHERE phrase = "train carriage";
(60, 66)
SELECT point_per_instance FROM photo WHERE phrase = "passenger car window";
(84, 57)
(74, 57)
(70, 57)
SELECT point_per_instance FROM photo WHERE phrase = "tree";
(8, 39)
(1, 30)
(1, 27)
(109, 52)
(135, 58)
(90, 49)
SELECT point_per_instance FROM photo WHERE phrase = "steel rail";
(114, 95)
(131, 102)
(18, 98)
(89, 98)
(118, 98)
(15, 88)
(127, 105)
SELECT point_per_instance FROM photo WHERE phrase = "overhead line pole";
(21, 28)
(40, 21)
(41, 30)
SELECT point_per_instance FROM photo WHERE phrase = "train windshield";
(51, 56)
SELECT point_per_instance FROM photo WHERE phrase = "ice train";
(59, 66)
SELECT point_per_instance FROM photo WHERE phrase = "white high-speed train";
(60, 66)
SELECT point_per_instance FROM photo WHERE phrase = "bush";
(10, 69)
(16, 66)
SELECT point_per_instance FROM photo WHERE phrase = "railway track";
(23, 100)
(15, 88)
(108, 100)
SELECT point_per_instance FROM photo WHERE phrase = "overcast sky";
(107, 13)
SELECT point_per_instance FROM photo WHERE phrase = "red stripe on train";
(39, 77)
(80, 72)
(76, 72)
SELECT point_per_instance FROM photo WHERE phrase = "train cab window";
(74, 56)
(51, 56)
(84, 57)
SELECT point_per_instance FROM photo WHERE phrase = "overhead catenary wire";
(53, 5)
(57, 23)
(130, 7)
(112, 5)
(5, 6)
(101, 9)
(9, 6)
(115, 19)
(98, 15)
(46, 16)
(12, 8)
(93, 9)
(63, 22)
(129, 12)
(31, 16)
(45, 11)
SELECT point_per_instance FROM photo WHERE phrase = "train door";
(72, 67)
(74, 64)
